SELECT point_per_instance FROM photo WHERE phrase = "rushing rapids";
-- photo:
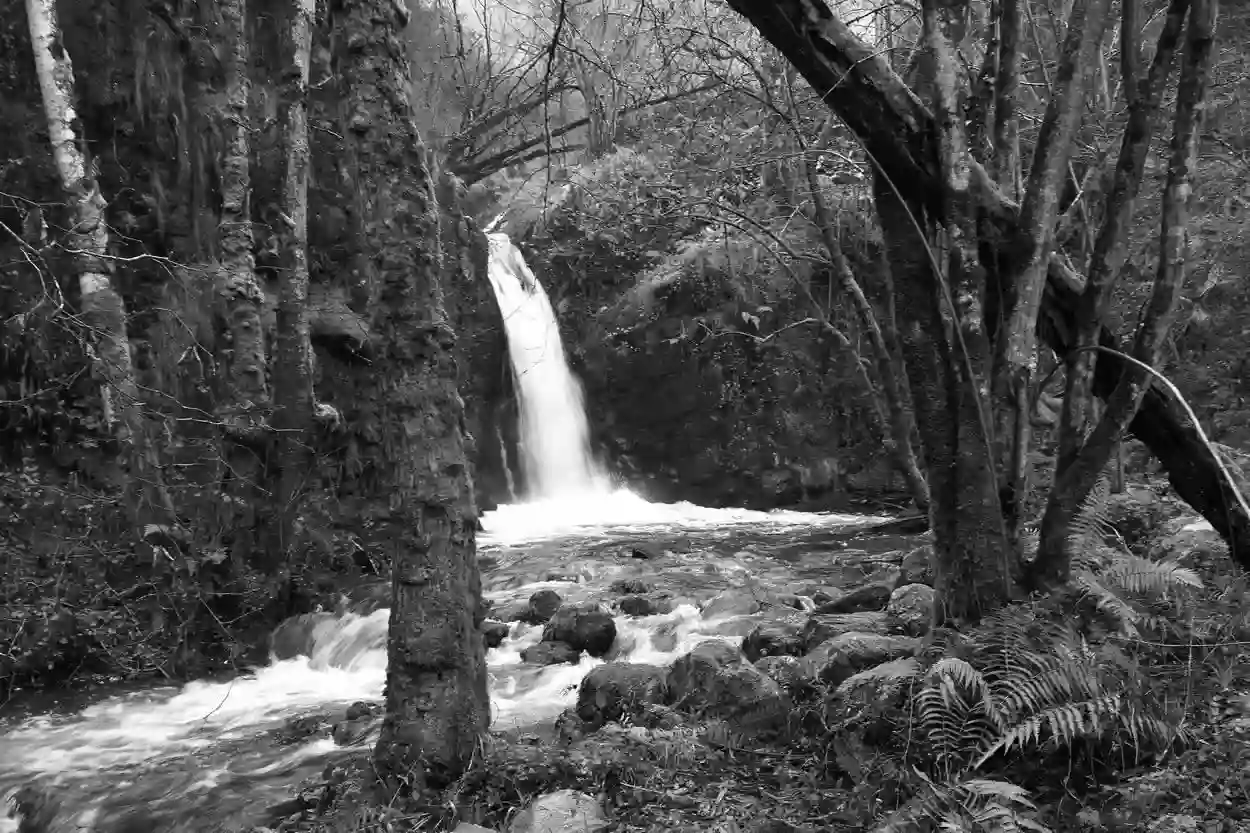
(215, 750)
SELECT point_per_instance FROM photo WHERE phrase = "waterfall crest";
(556, 458)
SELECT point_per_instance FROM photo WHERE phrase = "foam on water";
(621, 512)
(129, 734)
(205, 740)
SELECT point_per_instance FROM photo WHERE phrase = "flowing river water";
(215, 754)
(214, 750)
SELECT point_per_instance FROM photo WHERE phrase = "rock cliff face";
(700, 387)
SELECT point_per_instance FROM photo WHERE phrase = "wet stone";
(628, 586)
(822, 627)
(542, 606)
(585, 626)
(651, 604)
(731, 603)
(715, 677)
(773, 639)
(617, 690)
(494, 633)
(911, 609)
(550, 653)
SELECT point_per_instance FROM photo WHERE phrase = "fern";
(972, 804)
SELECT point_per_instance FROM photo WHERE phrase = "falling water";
(554, 435)
(205, 749)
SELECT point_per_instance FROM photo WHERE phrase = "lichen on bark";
(411, 425)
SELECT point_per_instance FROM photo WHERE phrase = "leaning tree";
(978, 277)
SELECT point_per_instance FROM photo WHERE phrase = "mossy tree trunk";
(244, 405)
(293, 384)
(410, 421)
(102, 306)
(238, 288)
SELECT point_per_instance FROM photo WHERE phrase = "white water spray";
(204, 743)
(554, 435)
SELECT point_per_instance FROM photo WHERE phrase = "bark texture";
(1078, 472)
(237, 286)
(411, 422)
(292, 386)
(102, 306)
(900, 135)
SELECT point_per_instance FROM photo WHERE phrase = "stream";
(213, 751)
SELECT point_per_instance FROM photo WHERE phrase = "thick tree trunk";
(244, 404)
(237, 286)
(412, 423)
(899, 134)
(292, 386)
(973, 568)
(102, 306)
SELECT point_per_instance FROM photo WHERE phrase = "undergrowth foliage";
(977, 713)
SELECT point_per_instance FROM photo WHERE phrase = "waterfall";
(554, 435)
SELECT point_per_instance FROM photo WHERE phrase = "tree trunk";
(898, 133)
(292, 384)
(973, 573)
(1077, 474)
(411, 423)
(244, 404)
(102, 306)
(237, 286)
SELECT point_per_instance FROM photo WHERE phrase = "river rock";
(616, 690)
(1189, 541)
(569, 727)
(566, 811)
(494, 633)
(585, 626)
(794, 601)
(729, 603)
(911, 609)
(634, 585)
(300, 729)
(917, 565)
(821, 627)
(645, 552)
(836, 659)
(360, 718)
(550, 652)
(786, 671)
(542, 606)
(822, 595)
(294, 637)
(773, 639)
(517, 610)
(716, 677)
(873, 594)
(651, 604)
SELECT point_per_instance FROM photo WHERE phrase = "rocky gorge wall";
(700, 387)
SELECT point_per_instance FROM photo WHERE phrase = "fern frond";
(1066, 723)
(1134, 574)
(974, 805)
(1064, 679)
(1091, 525)
(1125, 615)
